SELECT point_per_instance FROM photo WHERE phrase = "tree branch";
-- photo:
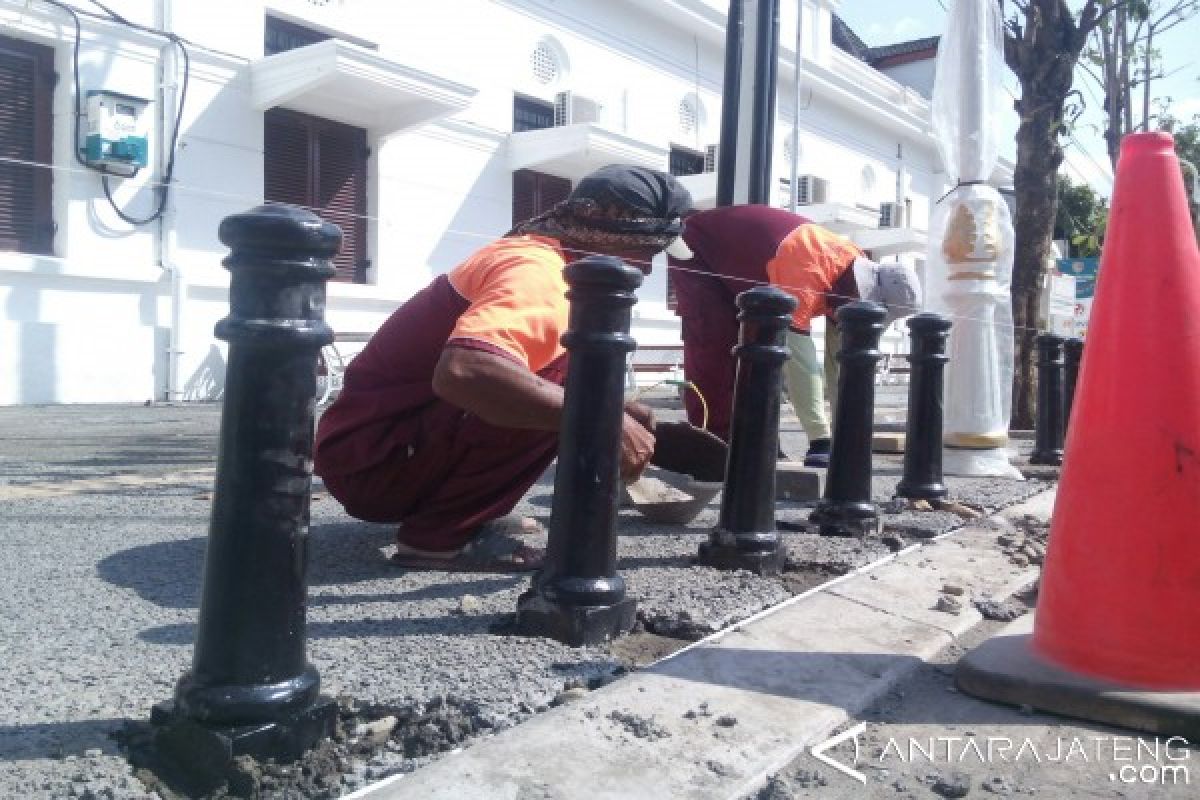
(1093, 13)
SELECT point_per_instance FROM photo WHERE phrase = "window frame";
(41, 239)
(313, 126)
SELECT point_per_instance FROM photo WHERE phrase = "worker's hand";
(644, 414)
(637, 446)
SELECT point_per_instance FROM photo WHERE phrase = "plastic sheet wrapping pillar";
(1072, 356)
(745, 536)
(251, 690)
(578, 597)
(847, 509)
(922, 478)
(1049, 434)
(968, 270)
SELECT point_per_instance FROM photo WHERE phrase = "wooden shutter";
(321, 165)
(26, 85)
(341, 194)
(535, 192)
(552, 191)
(287, 161)
(281, 36)
(524, 195)
(685, 162)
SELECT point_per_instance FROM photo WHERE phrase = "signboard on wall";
(1058, 305)
(1084, 271)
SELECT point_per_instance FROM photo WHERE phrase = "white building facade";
(423, 129)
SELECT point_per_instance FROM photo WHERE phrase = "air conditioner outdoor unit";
(812, 190)
(891, 215)
(574, 109)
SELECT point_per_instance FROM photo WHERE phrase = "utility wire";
(486, 236)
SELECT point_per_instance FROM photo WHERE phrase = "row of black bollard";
(251, 690)
(1058, 371)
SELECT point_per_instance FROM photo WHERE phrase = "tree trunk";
(1038, 158)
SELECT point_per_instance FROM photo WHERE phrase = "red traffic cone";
(1116, 634)
(1120, 596)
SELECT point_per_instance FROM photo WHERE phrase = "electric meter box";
(116, 130)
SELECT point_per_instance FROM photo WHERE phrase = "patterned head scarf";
(617, 206)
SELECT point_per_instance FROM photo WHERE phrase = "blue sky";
(885, 21)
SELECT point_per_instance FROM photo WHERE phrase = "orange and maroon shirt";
(751, 245)
(509, 298)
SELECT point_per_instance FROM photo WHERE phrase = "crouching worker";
(725, 251)
(452, 410)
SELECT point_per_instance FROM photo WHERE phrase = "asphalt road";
(104, 513)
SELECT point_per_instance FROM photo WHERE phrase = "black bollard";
(922, 478)
(251, 690)
(745, 536)
(847, 508)
(1072, 355)
(1048, 436)
(578, 597)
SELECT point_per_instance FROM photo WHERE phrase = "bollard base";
(577, 626)
(845, 529)
(200, 756)
(759, 553)
(922, 490)
(1046, 458)
(847, 520)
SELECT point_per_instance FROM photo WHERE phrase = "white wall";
(92, 323)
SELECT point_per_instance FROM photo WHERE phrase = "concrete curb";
(713, 720)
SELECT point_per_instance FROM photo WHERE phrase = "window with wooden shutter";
(535, 192)
(685, 162)
(279, 36)
(26, 86)
(531, 115)
(321, 165)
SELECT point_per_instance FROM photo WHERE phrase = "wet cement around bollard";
(105, 511)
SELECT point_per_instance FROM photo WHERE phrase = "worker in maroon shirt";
(725, 251)
(452, 410)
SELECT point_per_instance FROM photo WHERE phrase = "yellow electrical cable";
(703, 403)
(687, 385)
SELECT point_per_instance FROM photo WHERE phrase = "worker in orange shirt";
(452, 410)
(725, 251)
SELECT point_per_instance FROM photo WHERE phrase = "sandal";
(491, 551)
